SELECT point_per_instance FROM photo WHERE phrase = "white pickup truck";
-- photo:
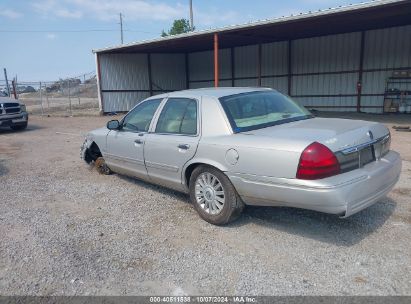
(13, 114)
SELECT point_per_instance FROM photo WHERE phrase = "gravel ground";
(66, 230)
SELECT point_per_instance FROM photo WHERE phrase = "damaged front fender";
(84, 150)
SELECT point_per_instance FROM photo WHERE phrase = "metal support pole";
(69, 97)
(13, 84)
(7, 82)
(289, 67)
(259, 54)
(41, 100)
(216, 66)
(47, 99)
(361, 65)
(150, 80)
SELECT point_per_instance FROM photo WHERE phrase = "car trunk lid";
(337, 134)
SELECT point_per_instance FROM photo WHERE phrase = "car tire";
(102, 167)
(19, 127)
(202, 194)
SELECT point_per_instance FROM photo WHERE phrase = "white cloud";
(65, 13)
(9, 13)
(109, 9)
(136, 10)
(51, 36)
(216, 18)
(56, 8)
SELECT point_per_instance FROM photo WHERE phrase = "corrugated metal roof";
(299, 17)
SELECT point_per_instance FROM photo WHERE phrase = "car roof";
(212, 92)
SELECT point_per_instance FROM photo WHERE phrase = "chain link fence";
(74, 95)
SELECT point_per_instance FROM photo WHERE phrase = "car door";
(125, 146)
(173, 142)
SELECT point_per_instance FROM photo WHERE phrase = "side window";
(179, 116)
(138, 120)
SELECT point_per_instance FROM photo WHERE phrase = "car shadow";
(30, 127)
(319, 226)
(150, 186)
(322, 227)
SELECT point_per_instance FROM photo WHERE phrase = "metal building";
(339, 59)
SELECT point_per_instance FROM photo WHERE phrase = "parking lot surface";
(66, 230)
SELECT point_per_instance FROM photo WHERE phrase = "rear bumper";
(344, 194)
(14, 119)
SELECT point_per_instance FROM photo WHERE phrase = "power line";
(74, 31)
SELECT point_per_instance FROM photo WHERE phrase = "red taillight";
(317, 161)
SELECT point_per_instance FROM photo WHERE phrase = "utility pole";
(191, 16)
(121, 27)
(7, 82)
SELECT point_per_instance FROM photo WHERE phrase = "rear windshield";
(255, 110)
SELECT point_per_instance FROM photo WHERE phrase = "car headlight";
(23, 108)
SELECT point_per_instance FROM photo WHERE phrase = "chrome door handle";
(138, 141)
(184, 146)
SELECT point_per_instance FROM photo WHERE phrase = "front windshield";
(255, 110)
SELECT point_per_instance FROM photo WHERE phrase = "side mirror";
(113, 125)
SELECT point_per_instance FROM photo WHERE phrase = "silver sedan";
(228, 147)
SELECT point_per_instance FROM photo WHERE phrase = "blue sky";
(54, 38)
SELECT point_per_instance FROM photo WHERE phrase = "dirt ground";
(66, 230)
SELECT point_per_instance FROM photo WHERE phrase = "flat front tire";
(213, 196)
(102, 167)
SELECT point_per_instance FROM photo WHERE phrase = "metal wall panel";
(201, 65)
(274, 58)
(311, 102)
(388, 48)
(246, 83)
(168, 71)
(246, 61)
(327, 53)
(201, 84)
(278, 83)
(209, 84)
(224, 58)
(124, 72)
(225, 83)
(372, 101)
(384, 49)
(122, 101)
(374, 82)
(324, 84)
